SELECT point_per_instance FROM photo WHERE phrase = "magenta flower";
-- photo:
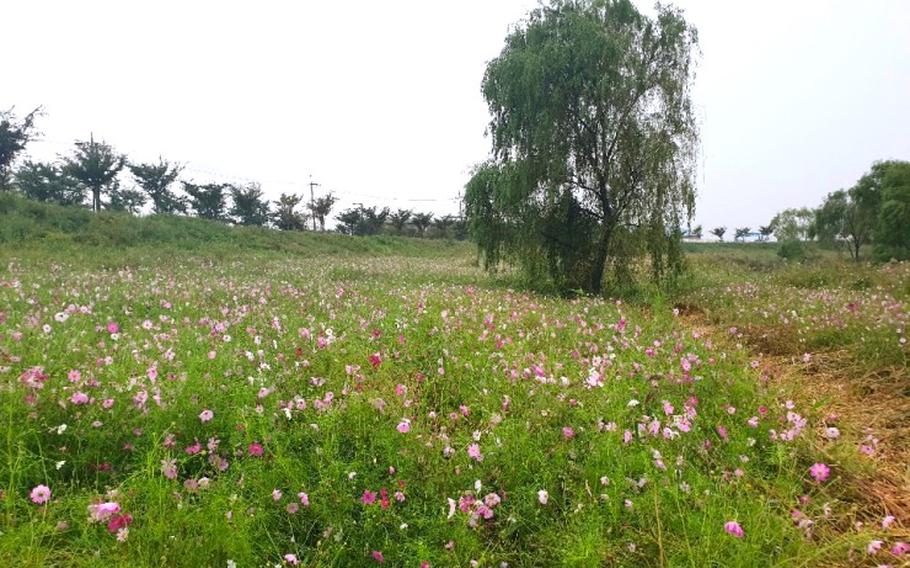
(112, 327)
(368, 497)
(206, 415)
(41, 494)
(377, 556)
(119, 522)
(900, 548)
(568, 433)
(819, 472)
(734, 529)
(304, 499)
(255, 449)
(474, 452)
(291, 559)
(404, 426)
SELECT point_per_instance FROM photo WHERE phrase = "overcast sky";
(380, 101)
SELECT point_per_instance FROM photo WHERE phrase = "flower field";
(408, 410)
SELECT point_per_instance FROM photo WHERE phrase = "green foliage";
(363, 221)
(15, 134)
(156, 181)
(741, 233)
(422, 222)
(792, 224)
(285, 215)
(321, 208)
(792, 249)
(892, 230)
(209, 200)
(765, 231)
(444, 226)
(48, 183)
(95, 167)
(27, 224)
(250, 207)
(719, 232)
(593, 135)
(129, 200)
(399, 220)
(840, 220)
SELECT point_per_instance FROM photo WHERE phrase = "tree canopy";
(892, 229)
(594, 140)
(209, 200)
(156, 181)
(285, 215)
(49, 183)
(95, 167)
(792, 224)
(249, 205)
(14, 135)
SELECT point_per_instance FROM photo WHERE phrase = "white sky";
(381, 103)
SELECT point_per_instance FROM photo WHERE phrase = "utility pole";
(313, 201)
(460, 205)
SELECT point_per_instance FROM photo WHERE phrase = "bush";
(792, 250)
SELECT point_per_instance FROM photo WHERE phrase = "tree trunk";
(595, 282)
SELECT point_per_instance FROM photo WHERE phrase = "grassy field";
(331, 401)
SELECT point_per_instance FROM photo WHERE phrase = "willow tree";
(594, 142)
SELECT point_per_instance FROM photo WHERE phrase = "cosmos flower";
(40, 495)
(819, 472)
(734, 529)
(543, 496)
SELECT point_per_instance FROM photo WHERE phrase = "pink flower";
(276, 494)
(377, 556)
(404, 426)
(376, 359)
(819, 472)
(304, 499)
(206, 415)
(543, 496)
(734, 529)
(112, 327)
(887, 521)
(291, 559)
(255, 449)
(368, 497)
(874, 546)
(900, 548)
(568, 433)
(474, 452)
(41, 494)
(169, 469)
(102, 511)
(79, 398)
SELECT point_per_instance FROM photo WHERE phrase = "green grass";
(261, 333)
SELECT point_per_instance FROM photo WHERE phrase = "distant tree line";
(94, 174)
(874, 213)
